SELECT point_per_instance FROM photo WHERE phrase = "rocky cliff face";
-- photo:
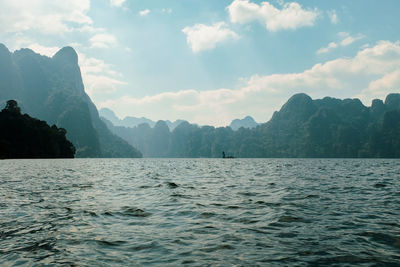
(52, 89)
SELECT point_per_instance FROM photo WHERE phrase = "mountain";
(24, 137)
(126, 122)
(133, 121)
(246, 122)
(303, 127)
(109, 115)
(51, 89)
(331, 127)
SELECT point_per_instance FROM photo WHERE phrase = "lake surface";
(199, 212)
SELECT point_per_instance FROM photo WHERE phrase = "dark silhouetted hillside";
(24, 137)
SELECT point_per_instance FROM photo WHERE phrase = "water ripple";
(243, 212)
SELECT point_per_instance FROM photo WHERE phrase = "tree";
(12, 106)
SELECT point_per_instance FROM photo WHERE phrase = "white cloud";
(49, 17)
(350, 39)
(290, 17)
(144, 12)
(333, 16)
(102, 40)
(331, 46)
(98, 76)
(347, 39)
(389, 83)
(372, 73)
(117, 3)
(100, 84)
(203, 37)
(44, 50)
(23, 42)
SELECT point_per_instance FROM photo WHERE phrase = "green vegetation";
(24, 137)
(303, 127)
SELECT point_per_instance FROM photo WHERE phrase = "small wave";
(180, 196)
(126, 211)
(286, 235)
(188, 261)
(145, 246)
(206, 215)
(172, 185)
(145, 186)
(286, 218)
(248, 194)
(91, 213)
(246, 220)
(268, 204)
(259, 231)
(180, 242)
(380, 185)
(135, 212)
(110, 243)
(215, 248)
(367, 174)
(46, 244)
(263, 245)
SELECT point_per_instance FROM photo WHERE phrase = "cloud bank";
(48, 17)
(290, 17)
(372, 73)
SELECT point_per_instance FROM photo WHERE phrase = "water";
(199, 212)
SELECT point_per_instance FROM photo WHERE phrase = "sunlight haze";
(210, 62)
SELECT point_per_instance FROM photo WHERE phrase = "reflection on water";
(101, 212)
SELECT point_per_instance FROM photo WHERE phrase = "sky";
(212, 61)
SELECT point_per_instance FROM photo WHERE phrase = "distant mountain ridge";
(133, 121)
(247, 122)
(51, 89)
(303, 127)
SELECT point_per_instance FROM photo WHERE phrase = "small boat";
(224, 156)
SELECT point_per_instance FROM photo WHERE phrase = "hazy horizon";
(209, 62)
